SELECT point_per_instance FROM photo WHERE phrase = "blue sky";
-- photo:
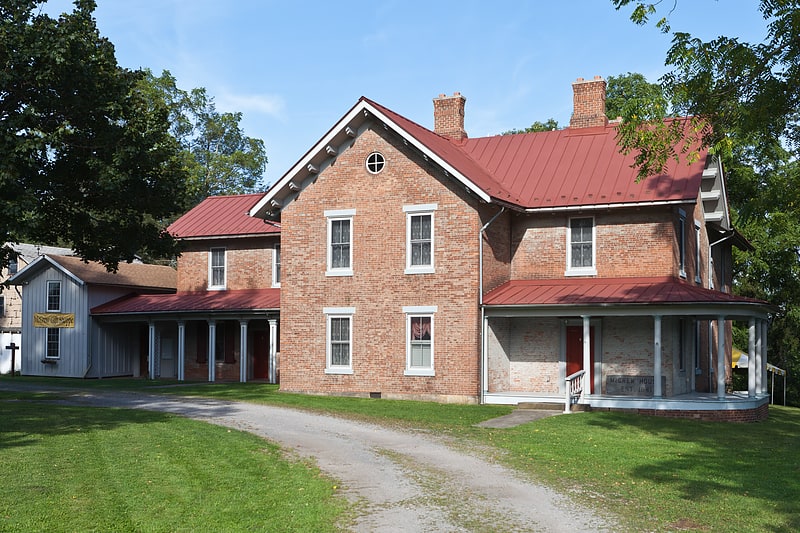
(293, 68)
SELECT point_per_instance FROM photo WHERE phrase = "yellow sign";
(54, 320)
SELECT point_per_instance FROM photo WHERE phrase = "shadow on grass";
(753, 467)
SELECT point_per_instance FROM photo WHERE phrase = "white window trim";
(332, 215)
(337, 312)
(420, 311)
(275, 265)
(581, 271)
(47, 344)
(697, 277)
(212, 287)
(416, 210)
(60, 297)
(682, 243)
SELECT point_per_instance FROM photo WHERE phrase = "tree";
(85, 157)
(744, 103)
(629, 91)
(219, 157)
(549, 125)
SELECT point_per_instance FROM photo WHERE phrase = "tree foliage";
(744, 100)
(218, 156)
(548, 125)
(85, 157)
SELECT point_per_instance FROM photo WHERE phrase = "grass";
(96, 469)
(657, 474)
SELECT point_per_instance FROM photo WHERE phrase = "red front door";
(575, 352)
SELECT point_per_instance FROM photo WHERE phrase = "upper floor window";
(697, 277)
(375, 162)
(682, 242)
(419, 340)
(581, 247)
(339, 340)
(54, 296)
(276, 266)
(340, 242)
(216, 268)
(12, 266)
(419, 238)
(2, 306)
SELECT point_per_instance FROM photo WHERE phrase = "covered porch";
(650, 345)
(209, 335)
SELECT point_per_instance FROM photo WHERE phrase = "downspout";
(482, 365)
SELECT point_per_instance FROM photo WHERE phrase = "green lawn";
(658, 474)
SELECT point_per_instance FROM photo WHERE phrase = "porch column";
(721, 357)
(657, 392)
(151, 350)
(243, 358)
(181, 350)
(273, 350)
(758, 362)
(587, 355)
(752, 370)
(764, 375)
(212, 349)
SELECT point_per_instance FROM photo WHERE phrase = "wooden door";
(574, 346)
(260, 355)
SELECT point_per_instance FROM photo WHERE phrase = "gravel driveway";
(402, 480)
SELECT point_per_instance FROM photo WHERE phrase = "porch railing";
(574, 389)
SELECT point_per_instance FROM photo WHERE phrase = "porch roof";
(192, 302)
(613, 292)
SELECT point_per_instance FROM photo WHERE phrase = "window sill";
(419, 372)
(50, 361)
(343, 371)
(581, 272)
(339, 273)
(217, 288)
(420, 270)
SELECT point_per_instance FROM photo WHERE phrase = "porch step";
(548, 406)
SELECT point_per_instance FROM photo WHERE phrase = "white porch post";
(657, 392)
(752, 370)
(764, 379)
(151, 350)
(212, 349)
(587, 356)
(181, 350)
(758, 361)
(243, 358)
(721, 357)
(273, 350)
(484, 357)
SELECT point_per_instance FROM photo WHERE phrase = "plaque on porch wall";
(632, 385)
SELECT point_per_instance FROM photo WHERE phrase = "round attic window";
(375, 162)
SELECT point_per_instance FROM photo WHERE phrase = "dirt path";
(403, 481)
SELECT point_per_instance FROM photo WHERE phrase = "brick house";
(533, 267)
(222, 323)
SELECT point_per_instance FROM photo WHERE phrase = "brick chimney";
(448, 116)
(589, 103)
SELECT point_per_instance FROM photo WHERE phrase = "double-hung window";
(53, 343)
(340, 242)
(581, 247)
(339, 340)
(276, 265)
(217, 268)
(419, 238)
(697, 277)
(419, 340)
(682, 242)
(53, 296)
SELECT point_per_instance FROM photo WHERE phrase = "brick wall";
(758, 414)
(629, 243)
(249, 263)
(378, 288)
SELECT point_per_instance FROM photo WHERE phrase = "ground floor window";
(339, 340)
(419, 340)
(53, 343)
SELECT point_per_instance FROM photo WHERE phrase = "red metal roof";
(577, 167)
(193, 302)
(222, 216)
(611, 291)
